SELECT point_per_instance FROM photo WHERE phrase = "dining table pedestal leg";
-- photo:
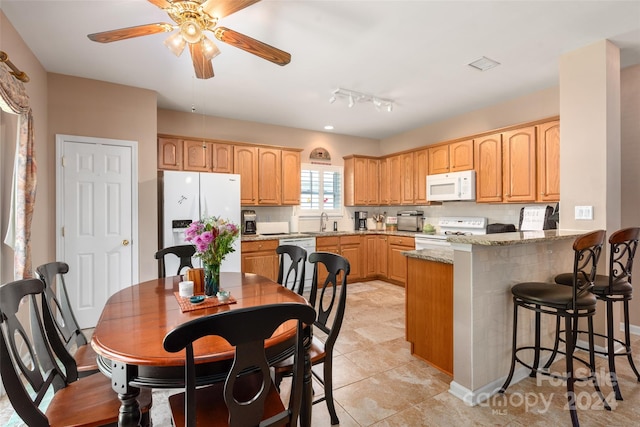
(129, 414)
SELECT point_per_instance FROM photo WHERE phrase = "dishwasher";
(308, 244)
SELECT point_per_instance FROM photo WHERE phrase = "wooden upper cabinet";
(519, 165)
(361, 181)
(439, 159)
(461, 156)
(407, 179)
(245, 163)
(394, 164)
(290, 177)
(221, 158)
(269, 176)
(384, 190)
(373, 182)
(488, 165)
(197, 156)
(453, 157)
(169, 154)
(548, 158)
(205, 156)
(420, 171)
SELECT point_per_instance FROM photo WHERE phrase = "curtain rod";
(20, 75)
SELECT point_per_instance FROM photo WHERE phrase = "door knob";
(125, 242)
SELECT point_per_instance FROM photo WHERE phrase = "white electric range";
(448, 226)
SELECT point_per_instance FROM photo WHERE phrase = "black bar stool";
(614, 288)
(568, 303)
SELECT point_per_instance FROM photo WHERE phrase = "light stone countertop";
(517, 238)
(436, 255)
(256, 237)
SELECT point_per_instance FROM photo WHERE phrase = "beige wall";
(590, 135)
(630, 153)
(20, 54)
(630, 147)
(534, 106)
(193, 124)
(98, 109)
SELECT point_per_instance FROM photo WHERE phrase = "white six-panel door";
(96, 220)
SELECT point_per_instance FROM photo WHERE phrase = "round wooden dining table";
(129, 335)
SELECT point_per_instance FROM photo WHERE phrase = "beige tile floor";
(378, 382)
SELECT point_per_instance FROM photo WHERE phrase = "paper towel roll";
(293, 224)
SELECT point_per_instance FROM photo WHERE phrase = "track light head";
(356, 97)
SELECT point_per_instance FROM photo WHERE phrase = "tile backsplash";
(495, 213)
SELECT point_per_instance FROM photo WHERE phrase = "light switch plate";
(584, 212)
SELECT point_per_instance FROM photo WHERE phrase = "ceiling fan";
(192, 18)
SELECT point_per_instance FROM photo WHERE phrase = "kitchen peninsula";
(461, 298)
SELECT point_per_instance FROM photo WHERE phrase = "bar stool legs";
(570, 303)
(611, 354)
(570, 323)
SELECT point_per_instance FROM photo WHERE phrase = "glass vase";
(211, 279)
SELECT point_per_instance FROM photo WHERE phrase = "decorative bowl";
(223, 296)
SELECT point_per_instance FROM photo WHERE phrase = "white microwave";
(451, 186)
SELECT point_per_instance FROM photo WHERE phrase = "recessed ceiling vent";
(484, 64)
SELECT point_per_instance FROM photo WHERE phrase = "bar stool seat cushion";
(552, 296)
(620, 286)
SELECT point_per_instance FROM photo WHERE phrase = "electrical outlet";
(584, 212)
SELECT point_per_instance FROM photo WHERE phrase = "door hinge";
(62, 231)
(63, 161)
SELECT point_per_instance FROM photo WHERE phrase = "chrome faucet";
(323, 221)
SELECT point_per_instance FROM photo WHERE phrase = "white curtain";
(14, 99)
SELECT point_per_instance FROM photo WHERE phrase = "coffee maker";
(248, 222)
(360, 220)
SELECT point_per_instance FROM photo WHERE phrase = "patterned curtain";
(14, 99)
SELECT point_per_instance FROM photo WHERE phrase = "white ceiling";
(414, 52)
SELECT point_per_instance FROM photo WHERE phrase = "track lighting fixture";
(354, 97)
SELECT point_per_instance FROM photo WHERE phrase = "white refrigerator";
(190, 196)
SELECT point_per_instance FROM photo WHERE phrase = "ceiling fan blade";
(201, 65)
(130, 32)
(222, 8)
(162, 4)
(253, 46)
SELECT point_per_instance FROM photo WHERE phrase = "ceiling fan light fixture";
(191, 31)
(209, 49)
(175, 43)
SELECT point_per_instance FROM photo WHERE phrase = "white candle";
(186, 288)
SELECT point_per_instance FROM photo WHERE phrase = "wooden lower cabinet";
(350, 247)
(429, 312)
(397, 263)
(260, 257)
(326, 244)
(375, 264)
(370, 256)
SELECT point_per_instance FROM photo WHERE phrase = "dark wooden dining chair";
(184, 252)
(329, 299)
(296, 258)
(248, 397)
(33, 380)
(615, 287)
(58, 318)
(570, 303)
